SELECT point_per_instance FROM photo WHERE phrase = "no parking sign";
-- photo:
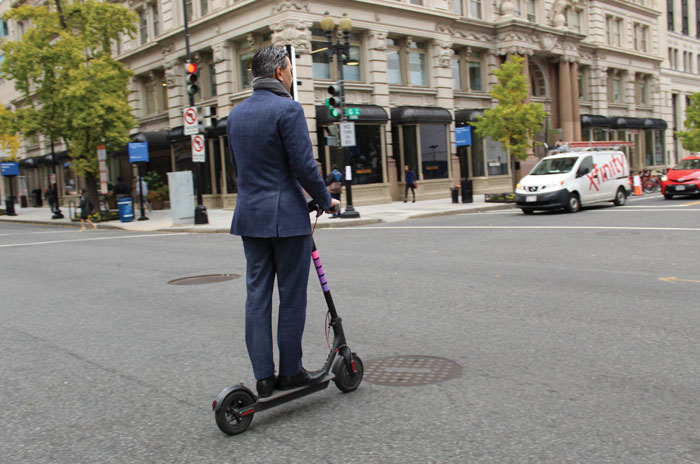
(198, 148)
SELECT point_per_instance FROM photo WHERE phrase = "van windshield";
(554, 166)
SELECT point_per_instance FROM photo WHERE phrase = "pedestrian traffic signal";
(191, 78)
(335, 101)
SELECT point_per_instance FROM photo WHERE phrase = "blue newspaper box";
(126, 209)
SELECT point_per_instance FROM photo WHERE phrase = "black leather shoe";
(265, 387)
(302, 378)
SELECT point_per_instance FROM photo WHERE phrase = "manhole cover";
(618, 233)
(409, 371)
(204, 279)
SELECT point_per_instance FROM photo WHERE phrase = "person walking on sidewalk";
(410, 183)
(334, 181)
(272, 153)
(86, 209)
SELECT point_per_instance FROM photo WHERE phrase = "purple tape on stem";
(319, 271)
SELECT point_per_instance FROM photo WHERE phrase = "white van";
(573, 179)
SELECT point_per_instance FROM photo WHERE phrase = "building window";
(472, 9)
(576, 20)
(434, 151)
(143, 27)
(212, 79)
(697, 19)
(669, 15)
(365, 156)
(203, 7)
(155, 17)
(496, 158)
(530, 8)
(406, 62)
(538, 86)
(393, 62)
(613, 30)
(583, 84)
(246, 49)
(684, 17)
(155, 93)
(3, 28)
(189, 8)
(642, 91)
(417, 70)
(641, 34)
(324, 67)
(467, 70)
(615, 88)
(416, 2)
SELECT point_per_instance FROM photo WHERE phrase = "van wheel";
(620, 197)
(668, 196)
(528, 211)
(574, 203)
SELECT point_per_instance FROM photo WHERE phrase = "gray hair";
(267, 60)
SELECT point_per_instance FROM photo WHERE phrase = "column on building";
(377, 78)
(175, 78)
(575, 107)
(629, 96)
(565, 95)
(442, 73)
(222, 58)
(599, 89)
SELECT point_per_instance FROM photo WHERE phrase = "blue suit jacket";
(272, 154)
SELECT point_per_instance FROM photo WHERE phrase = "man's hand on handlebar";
(335, 207)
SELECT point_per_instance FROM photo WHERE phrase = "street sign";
(198, 148)
(352, 113)
(191, 124)
(347, 134)
(463, 136)
(9, 169)
(101, 152)
(138, 152)
(102, 160)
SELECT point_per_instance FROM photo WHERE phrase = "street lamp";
(341, 51)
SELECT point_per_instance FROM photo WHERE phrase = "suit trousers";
(288, 258)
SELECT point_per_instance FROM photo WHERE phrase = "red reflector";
(213, 405)
(248, 412)
(354, 368)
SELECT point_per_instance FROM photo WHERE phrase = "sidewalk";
(220, 220)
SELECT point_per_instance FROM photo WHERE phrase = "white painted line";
(43, 232)
(665, 229)
(90, 239)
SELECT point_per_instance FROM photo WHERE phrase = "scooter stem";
(324, 282)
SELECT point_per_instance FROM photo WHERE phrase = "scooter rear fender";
(228, 390)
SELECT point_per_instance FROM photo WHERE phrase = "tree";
(690, 138)
(74, 91)
(8, 138)
(513, 121)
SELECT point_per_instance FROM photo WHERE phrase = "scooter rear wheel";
(344, 379)
(227, 417)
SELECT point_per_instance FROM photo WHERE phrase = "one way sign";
(198, 148)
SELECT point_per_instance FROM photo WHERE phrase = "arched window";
(538, 85)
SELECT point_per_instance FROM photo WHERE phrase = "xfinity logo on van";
(606, 171)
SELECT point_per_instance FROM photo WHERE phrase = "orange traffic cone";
(637, 182)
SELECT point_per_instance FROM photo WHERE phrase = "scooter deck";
(283, 396)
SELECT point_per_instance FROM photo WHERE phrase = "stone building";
(424, 68)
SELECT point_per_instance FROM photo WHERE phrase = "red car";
(684, 179)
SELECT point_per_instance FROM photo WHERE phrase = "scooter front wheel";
(345, 380)
(227, 416)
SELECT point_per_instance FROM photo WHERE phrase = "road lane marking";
(676, 279)
(695, 203)
(90, 239)
(663, 229)
(42, 232)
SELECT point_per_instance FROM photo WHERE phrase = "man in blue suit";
(272, 154)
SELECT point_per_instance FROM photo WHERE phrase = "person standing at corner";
(271, 152)
(86, 210)
(410, 183)
(334, 181)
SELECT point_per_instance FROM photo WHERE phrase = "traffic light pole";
(339, 50)
(200, 211)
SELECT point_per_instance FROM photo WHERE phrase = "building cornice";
(631, 6)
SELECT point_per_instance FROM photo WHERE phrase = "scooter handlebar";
(313, 206)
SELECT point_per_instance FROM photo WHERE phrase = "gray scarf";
(271, 84)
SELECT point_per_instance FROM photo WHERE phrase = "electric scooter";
(235, 406)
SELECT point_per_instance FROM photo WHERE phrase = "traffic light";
(191, 78)
(335, 101)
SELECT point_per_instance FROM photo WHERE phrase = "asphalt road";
(577, 335)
